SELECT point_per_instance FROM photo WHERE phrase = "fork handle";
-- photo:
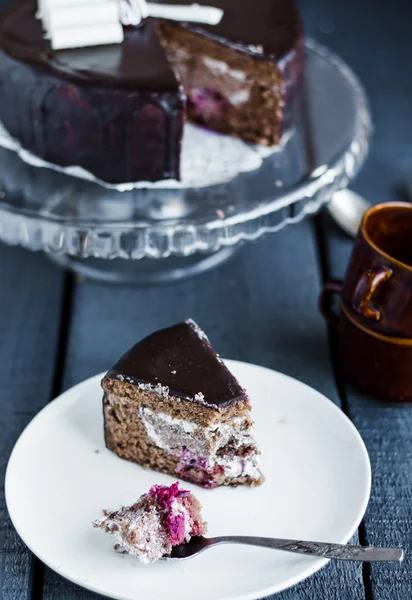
(325, 550)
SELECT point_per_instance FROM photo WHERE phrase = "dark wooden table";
(261, 307)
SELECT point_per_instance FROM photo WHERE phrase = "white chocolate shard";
(75, 24)
(132, 12)
(194, 13)
(51, 4)
(80, 37)
(67, 16)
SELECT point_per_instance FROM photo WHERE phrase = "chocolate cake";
(159, 520)
(118, 111)
(170, 404)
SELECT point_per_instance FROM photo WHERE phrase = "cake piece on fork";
(159, 520)
(170, 404)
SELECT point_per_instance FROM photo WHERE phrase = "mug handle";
(333, 286)
(366, 288)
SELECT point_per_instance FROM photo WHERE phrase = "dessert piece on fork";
(157, 521)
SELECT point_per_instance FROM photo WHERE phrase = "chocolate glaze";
(139, 60)
(181, 358)
(269, 29)
(266, 28)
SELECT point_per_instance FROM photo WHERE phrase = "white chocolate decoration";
(195, 13)
(67, 16)
(77, 24)
(132, 12)
(52, 4)
(80, 23)
(91, 35)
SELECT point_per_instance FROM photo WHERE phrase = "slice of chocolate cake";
(159, 520)
(170, 404)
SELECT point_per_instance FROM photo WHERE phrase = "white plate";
(60, 476)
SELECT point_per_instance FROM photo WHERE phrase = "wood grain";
(379, 51)
(30, 298)
(261, 308)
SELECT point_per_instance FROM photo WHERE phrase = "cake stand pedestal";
(148, 271)
(155, 235)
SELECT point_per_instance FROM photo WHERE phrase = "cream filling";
(149, 544)
(162, 428)
(238, 466)
(239, 97)
(187, 426)
(177, 508)
(221, 68)
(146, 529)
(218, 68)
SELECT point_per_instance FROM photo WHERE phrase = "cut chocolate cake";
(170, 404)
(159, 520)
(118, 110)
(241, 77)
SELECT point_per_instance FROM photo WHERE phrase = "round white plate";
(60, 476)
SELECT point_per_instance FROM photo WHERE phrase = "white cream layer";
(161, 428)
(149, 544)
(178, 508)
(220, 67)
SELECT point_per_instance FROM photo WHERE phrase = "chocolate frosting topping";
(266, 28)
(139, 61)
(182, 359)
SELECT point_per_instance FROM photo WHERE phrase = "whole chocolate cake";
(118, 110)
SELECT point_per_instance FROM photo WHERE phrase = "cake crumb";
(200, 333)
(97, 451)
(173, 372)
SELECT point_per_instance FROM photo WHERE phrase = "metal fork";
(324, 550)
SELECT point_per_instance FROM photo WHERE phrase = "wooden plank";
(386, 431)
(378, 45)
(261, 307)
(30, 295)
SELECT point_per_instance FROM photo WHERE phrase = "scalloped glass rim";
(135, 239)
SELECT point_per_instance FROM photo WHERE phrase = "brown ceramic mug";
(375, 318)
(375, 363)
(378, 282)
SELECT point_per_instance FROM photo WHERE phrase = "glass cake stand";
(153, 235)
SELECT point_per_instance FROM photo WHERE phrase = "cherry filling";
(207, 104)
(196, 469)
(175, 522)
